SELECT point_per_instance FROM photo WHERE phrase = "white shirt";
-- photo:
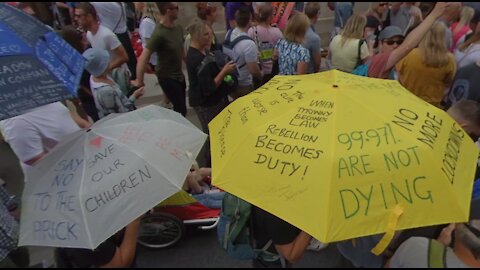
(245, 51)
(105, 39)
(112, 15)
(145, 30)
(38, 131)
(345, 57)
(469, 56)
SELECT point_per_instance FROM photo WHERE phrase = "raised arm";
(414, 38)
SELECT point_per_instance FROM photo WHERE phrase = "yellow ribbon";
(391, 226)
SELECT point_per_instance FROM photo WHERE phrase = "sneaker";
(316, 245)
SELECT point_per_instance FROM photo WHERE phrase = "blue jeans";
(210, 200)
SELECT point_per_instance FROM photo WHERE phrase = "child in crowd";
(106, 93)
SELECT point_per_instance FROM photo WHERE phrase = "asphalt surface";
(200, 249)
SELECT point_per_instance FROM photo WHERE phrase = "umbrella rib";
(87, 230)
(329, 183)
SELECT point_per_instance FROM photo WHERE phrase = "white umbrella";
(97, 181)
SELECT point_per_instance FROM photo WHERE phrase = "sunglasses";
(382, 4)
(391, 41)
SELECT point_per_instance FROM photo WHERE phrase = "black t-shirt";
(203, 91)
(268, 227)
(86, 258)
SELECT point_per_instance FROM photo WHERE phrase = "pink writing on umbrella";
(97, 142)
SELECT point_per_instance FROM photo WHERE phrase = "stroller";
(164, 226)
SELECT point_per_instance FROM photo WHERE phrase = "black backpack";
(228, 45)
(212, 64)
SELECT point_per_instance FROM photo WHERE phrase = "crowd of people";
(404, 41)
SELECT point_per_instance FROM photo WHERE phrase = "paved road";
(200, 249)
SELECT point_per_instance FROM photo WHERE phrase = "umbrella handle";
(392, 225)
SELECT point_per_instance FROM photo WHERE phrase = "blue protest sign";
(37, 67)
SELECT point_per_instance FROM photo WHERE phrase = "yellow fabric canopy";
(335, 154)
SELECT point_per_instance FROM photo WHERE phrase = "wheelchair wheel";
(160, 230)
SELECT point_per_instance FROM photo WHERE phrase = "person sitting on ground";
(107, 94)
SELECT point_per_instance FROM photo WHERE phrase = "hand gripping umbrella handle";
(392, 225)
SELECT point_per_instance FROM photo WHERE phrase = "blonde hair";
(466, 16)
(354, 28)
(433, 47)
(296, 28)
(196, 28)
(150, 9)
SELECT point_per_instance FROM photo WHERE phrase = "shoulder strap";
(120, 19)
(467, 53)
(359, 59)
(227, 41)
(240, 38)
(256, 36)
(436, 254)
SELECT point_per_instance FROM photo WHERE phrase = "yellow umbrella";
(342, 156)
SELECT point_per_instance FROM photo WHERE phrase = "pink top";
(458, 35)
(265, 39)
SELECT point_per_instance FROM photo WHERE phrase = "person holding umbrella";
(117, 251)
